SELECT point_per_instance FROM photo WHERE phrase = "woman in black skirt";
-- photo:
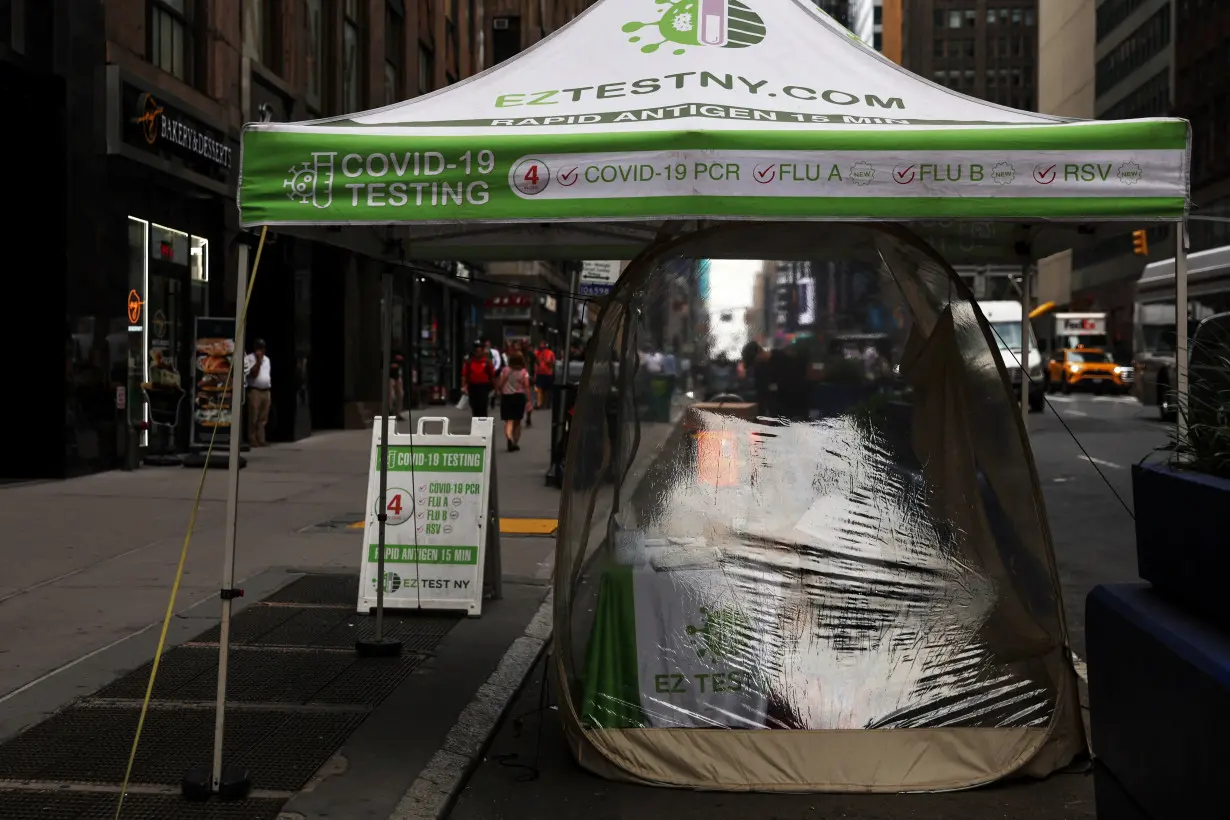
(514, 389)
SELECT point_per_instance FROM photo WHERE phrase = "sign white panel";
(599, 278)
(436, 527)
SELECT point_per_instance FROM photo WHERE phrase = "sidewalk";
(82, 607)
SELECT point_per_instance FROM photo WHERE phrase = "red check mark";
(766, 175)
(1044, 175)
(903, 175)
(568, 178)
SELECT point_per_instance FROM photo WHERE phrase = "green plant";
(1202, 443)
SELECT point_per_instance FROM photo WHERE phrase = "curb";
(442, 779)
(437, 786)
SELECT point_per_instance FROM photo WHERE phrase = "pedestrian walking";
(544, 373)
(477, 377)
(397, 385)
(531, 400)
(258, 381)
(514, 389)
(498, 361)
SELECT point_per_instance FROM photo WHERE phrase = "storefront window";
(170, 33)
(394, 51)
(168, 278)
(313, 14)
(352, 67)
(198, 274)
(138, 284)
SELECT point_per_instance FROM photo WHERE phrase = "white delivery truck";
(1208, 295)
(1005, 321)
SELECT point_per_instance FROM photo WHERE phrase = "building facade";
(508, 27)
(1134, 57)
(525, 300)
(981, 48)
(144, 101)
(890, 29)
(1066, 89)
(1202, 51)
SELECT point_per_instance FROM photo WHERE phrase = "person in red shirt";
(544, 373)
(477, 378)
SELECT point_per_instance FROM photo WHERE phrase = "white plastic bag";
(464, 404)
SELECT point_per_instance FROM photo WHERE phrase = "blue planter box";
(1113, 800)
(1183, 537)
(1159, 704)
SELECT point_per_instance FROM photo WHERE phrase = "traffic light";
(1140, 243)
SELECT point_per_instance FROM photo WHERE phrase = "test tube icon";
(713, 22)
(322, 191)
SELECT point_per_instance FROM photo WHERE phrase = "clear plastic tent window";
(855, 591)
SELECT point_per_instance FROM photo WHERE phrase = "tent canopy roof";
(641, 111)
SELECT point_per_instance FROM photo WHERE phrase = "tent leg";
(378, 647)
(228, 782)
(1025, 351)
(1182, 313)
(555, 472)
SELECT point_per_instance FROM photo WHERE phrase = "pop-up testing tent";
(660, 132)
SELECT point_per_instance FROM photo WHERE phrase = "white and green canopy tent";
(644, 121)
(642, 111)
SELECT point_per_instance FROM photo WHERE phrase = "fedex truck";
(1073, 331)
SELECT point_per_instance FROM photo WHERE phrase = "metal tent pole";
(231, 783)
(571, 314)
(1181, 311)
(1025, 351)
(561, 390)
(378, 646)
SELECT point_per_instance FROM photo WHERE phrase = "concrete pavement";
(87, 591)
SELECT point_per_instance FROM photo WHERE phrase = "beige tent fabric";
(971, 443)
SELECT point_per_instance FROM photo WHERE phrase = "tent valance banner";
(724, 109)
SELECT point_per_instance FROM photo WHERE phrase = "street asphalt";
(1084, 447)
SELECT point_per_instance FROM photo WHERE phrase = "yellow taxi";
(1087, 368)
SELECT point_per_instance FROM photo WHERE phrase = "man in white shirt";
(258, 383)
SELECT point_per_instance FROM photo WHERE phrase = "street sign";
(599, 278)
(121, 397)
(435, 503)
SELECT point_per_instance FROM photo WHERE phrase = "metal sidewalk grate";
(17, 804)
(249, 625)
(337, 590)
(331, 628)
(258, 675)
(90, 744)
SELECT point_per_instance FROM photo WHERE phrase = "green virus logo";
(392, 583)
(721, 634)
(691, 23)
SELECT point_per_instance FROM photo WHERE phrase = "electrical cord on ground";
(1088, 458)
(183, 552)
(530, 771)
